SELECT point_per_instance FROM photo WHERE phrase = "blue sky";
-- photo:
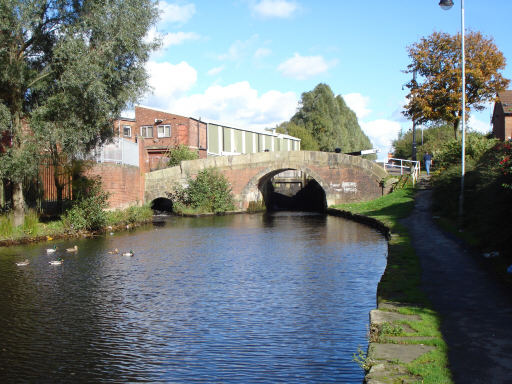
(246, 62)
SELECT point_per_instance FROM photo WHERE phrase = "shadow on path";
(476, 311)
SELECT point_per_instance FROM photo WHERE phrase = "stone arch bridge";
(343, 178)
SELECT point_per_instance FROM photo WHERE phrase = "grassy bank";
(399, 291)
(34, 229)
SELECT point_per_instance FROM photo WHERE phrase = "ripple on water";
(234, 299)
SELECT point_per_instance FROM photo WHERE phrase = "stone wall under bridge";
(344, 178)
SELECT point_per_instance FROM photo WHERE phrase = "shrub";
(88, 211)
(487, 198)
(131, 215)
(136, 214)
(505, 162)
(209, 192)
(450, 153)
(180, 153)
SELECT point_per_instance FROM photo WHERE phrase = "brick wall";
(179, 126)
(123, 182)
(184, 130)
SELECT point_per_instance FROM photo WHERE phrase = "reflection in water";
(235, 299)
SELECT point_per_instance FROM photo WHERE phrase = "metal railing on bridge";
(403, 166)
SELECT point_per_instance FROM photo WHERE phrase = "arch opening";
(161, 205)
(292, 190)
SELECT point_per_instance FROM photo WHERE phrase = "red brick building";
(161, 131)
(502, 116)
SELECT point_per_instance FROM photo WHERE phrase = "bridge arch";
(257, 189)
(343, 178)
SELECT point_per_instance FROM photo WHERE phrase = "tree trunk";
(18, 204)
(58, 186)
(18, 200)
(456, 127)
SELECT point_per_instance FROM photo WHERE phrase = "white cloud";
(358, 103)
(478, 125)
(178, 38)
(239, 49)
(175, 13)
(381, 133)
(216, 70)
(169, 39)
(275, 8)
(261, 53)
(169, 81)
(303, 67)
(239, 104)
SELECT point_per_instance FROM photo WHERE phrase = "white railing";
(411, 167)
(120, 151)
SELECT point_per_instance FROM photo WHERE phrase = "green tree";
(436, 96)
(434, 138)
(67, 69)
(307, 141)
(330, 121)
(180, 153)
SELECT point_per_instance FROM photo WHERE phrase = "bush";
(209, 192)
(88, 211)
(180, 153)
(131, 215)
(487, 200)
(450, 153)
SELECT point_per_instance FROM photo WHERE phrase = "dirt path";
(476, 310)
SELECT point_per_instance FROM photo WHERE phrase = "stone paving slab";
(379, 317)
(405, 353)
(389, 374)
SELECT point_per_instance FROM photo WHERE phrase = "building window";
(164, 131)
(127, 131)
(146, 131)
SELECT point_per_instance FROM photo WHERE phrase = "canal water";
(274, 298)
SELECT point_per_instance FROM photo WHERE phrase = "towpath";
(476, 310)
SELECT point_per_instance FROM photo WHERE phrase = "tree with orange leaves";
(435, 94)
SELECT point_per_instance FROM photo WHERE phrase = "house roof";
(505, 98)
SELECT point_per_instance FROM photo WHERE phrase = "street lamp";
(447, 4)
(414, 124)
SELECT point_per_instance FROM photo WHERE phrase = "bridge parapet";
(344, 178)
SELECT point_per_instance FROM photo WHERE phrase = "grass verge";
(399, 290)
(33, 229)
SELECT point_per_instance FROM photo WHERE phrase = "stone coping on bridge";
(298, 158)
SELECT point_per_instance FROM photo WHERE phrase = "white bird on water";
(74, 249)
(23, 263)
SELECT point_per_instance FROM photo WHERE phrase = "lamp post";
(447, 4)
(413, 157)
